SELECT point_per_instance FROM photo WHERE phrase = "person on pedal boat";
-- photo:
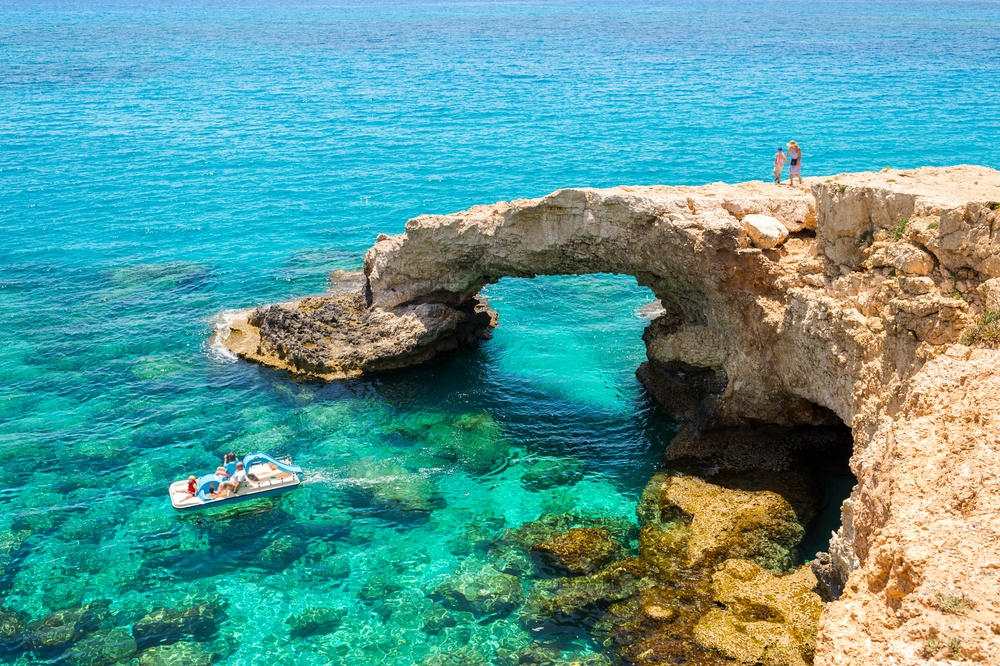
(231, 485)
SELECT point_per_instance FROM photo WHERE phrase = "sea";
(164, 162)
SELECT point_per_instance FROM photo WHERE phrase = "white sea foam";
(215, 349)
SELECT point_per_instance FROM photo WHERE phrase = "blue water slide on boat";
(285, 466)
(267, 475)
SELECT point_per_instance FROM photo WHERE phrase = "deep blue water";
(162, 162)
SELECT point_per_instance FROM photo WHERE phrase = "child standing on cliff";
(779, 165)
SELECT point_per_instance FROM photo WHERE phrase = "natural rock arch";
(858, 314)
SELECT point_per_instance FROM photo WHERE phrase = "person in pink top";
(779, 165)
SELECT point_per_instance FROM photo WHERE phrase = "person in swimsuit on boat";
(779, 165)
(232, 485)
(794, 163)
(192, 486)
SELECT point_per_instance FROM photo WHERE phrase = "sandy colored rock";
(765, 231)
(904, 257)
(730, 522)
(763, 619)
(796, 335)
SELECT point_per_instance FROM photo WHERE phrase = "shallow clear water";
(161, 164)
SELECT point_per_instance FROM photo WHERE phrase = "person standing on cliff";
(794, 163)
(779, 165)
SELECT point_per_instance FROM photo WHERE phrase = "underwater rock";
(437, 619)
(169, 625)
(479, 589)
(316, 621)
(100, 649)
(474, 441)
(392, 487)
(184, 653)
(378, 587)
(510, 550)
(763, 619)
(10, 542)
(475, 537)
(460, 657)
(68, 626)
(12, 638)
(580, 599)
(329, 568)
(548, 473)
(547, 655)
(582, 550)
(281, 553)
(665, 546)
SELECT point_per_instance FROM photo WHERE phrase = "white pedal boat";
(266, 476)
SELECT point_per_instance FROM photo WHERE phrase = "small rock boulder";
(479, 589)
(315, 622)
(579, 551)
(765, 231)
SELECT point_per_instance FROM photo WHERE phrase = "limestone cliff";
(870, 299)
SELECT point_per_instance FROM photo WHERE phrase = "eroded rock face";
(860, 323)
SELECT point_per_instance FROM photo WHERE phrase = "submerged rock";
(474, 441)
(184, 653)
(460, 657)
(437, 619)
(170, 625)
(581, 599)
(545, 474)
(100, 649)
(579, 551)
(281, 553)
(379, 586)
(10, 542)
(392, 487)
(479, 589)
(12, 624)
(57, 630)
(763, 618)
(315, 622)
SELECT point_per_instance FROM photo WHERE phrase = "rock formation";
(877, 310)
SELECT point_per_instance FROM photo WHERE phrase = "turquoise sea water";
(161, 162)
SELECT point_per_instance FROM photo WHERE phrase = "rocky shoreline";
(870, 302)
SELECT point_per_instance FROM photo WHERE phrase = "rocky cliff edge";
(871, 299)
